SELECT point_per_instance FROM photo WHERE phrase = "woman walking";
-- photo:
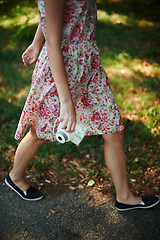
(70, 84)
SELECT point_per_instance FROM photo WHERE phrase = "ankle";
(16, 177)
(129, 199)
(19, 181)
(124, 197)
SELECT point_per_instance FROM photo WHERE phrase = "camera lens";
(60, 138)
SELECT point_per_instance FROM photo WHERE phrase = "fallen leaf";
(84, 179)
(80, 186)
(51, 212)
(99, 204)
(91, 183)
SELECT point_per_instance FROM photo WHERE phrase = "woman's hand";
(30, 55)
(67, 116)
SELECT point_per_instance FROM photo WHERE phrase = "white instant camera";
(75, 137)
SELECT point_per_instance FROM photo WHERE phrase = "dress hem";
(54, 139)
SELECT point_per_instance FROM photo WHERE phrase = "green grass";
(127, 35)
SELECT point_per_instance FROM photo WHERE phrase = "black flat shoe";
(31, 194)
(148, 201)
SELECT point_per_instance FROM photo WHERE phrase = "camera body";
(75, 137)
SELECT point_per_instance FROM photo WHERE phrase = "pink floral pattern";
(94, 102)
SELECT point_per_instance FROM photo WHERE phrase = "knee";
(114, 137)
(35, 137)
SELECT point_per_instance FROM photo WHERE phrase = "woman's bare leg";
(116, 164)
(25, 153)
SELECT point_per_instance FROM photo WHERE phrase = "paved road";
(75, 218)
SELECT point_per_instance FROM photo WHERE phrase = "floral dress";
(93, 99)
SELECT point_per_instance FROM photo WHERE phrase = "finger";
(69, 125)
(28, 58)
(24, 54)
(24, 62)
(63, 124)
(60, 119)
(73, 126)
(24, 59)
(32, 60)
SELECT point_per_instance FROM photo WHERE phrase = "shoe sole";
(27, 199)
(138, 207)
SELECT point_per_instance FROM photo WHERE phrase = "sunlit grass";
(135, 81)
(136, 101)
(20, 15)
(116, 18)
(18, 21)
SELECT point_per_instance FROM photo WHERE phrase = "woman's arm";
(32, 52)
(54, 25)
(38, 38)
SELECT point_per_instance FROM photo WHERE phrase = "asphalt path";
(65, 214)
